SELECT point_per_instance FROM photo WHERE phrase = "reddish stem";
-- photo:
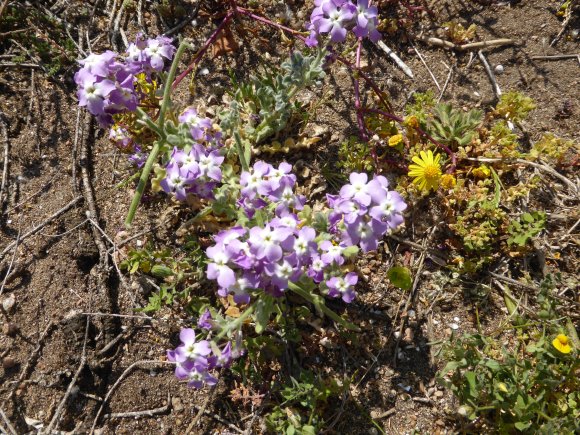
(264, 20)
(201, 52)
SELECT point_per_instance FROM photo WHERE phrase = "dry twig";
(7, 422)
(5, 165)
(491, 75)
(41, 225)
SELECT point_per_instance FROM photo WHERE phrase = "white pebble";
(498, 69)
(456, 319)
(204, 72)
(454, 326)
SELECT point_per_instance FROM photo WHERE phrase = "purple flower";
(366, 21)
(389, 209)
(197, 125)
(176, 181)
(343, 287)
(158, 50)
(335, 20)
(357, 189)
(332, 253)
(205, 320)
(198, 377)
(190, 349)
(99, 65)
(138, 157)
(219, 269)
(364, 233)
(93, 93)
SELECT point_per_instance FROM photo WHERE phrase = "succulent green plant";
(454, 127)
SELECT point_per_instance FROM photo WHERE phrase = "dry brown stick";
(2, 6)
(446, 84)
(41, 225)
(491, 75)
(470, 46)
(19, 65)
(7, 421)
(5, 165)
(127, 371)
(556, 57)
(144, 413)
(427, 67)
(31, 360)
(92, 214)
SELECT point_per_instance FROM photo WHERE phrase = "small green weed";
(526, 227)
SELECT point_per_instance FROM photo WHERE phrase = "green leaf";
(350, 251)
(264, 308)
(522, 426)
(161, 271)
(400, 277)
(308, 430)
(472, 382)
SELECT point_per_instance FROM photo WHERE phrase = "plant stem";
(157, 128)
(236, 323)
(146, 120)
(202, 51)
(319, 304)
(240, 149)
(142, 183)
(167, 88)
(264, 20)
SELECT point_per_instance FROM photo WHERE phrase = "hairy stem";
(142, 183)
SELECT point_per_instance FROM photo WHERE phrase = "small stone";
(438, 394)
(498, 69)
(10, 329)
(8, 362)
(454, 326)
(9, 302)
(176, 404)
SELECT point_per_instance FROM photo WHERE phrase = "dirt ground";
(60, 286)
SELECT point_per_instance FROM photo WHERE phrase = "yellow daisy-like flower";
(427, 171)
(395, 140)
(448, 181)
(562, 344)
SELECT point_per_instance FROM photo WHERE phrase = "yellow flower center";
(562, 339)
(432, 172)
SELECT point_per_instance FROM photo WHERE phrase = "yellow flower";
(561, 344)
(427, 171)
(482, 172)
(395, 140)
(412, 121)
(448, 181)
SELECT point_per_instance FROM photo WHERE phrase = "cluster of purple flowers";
(197, 170)
(194, 359)
(264, 185)
(106, 82)
(336, 17)
(365, 210)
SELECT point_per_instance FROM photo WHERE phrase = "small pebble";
(8, 303)
(454, 326)
(498, 69)
(456, 319)
(8, 362)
